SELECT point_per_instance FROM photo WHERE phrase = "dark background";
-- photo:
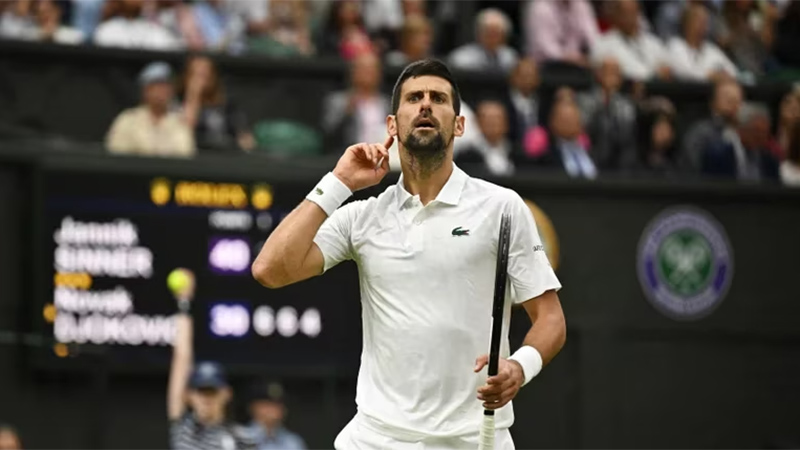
(628, 376)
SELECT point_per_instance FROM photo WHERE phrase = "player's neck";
(424, 178)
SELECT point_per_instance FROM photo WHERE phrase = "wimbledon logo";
(685, 263)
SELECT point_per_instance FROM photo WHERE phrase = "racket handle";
(487, 433)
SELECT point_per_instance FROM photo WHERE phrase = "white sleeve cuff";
(530, 360)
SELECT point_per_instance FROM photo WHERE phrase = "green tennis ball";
(178, 280)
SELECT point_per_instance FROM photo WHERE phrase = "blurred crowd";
(613, 127)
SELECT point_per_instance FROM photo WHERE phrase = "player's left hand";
(503, 387)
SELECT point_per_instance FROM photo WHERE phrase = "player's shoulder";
(486, 191)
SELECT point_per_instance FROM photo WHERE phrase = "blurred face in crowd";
(790, 108)
(366, 72)
(492, 31)
(727, 100)
(413, 7)
(609, 75)
(268, 413)
(417, 37)
(696, 25)
(349, 13)
(158, 95)
(566, 120)
(755, 134)
(662, 134)
(525, 77)
(426, 121)
(627, 16)
(209, 404)
(48, 13)
(492, 121)
(9, 440)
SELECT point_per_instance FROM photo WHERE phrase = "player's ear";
(391, 125)
(458, 130)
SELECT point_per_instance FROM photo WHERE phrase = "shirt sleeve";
(529, 270)
(334, 236)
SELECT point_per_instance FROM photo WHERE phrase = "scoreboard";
(109, 241)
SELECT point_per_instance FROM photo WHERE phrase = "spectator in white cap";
(153, 128)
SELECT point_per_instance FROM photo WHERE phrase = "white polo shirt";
(427, 285)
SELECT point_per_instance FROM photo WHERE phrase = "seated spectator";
(9, 439)
(358, 114)
(86, 15)
(38, 20)
(287, 30)
(789, 117)
(383, 20)
(565, 145)
(152, 129)
(344, 34)
(640, 54)
(221, 28)
(790, 167)
(610, 119)
(124, 26)
(746, 34)
(268, 410)
(522, 101)
(416, 42)
(669, 18)
(657, 140)
(716, 131)
(692, 56)
(490, 51)
(494, 152)
(215, 119)
(177, 18)
(746, 156)
(560, 31)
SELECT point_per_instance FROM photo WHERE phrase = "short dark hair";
(426, 67)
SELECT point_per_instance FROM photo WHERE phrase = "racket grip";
(487, 433)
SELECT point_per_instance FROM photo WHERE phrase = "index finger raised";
(389, 142)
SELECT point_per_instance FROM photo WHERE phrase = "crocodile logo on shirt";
(318, 191)
(457, 231)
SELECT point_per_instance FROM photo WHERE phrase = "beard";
(426, 149)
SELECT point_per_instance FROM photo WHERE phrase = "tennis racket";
(501, 274)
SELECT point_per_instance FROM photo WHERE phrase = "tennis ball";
(178, 280)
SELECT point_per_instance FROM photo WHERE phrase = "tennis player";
(426, 252)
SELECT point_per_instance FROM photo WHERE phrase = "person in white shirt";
(426, 253)
(693, 57)
(640, 54)
(490, 51)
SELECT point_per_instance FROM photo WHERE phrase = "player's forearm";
(547, 335)
(281, 260)
(182, 354)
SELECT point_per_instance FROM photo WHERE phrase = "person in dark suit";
(522, 101)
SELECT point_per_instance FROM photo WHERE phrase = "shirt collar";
(450, 193)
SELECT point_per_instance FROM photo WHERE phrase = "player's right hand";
(358, 167)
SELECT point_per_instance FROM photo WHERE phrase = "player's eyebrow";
(432, 91)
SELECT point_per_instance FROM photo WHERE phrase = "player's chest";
(428, 242)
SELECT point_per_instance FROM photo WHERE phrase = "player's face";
(267, 413)
(426, 122)
(209, 404)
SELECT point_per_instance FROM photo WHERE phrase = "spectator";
(221, 28)
(177, 18)
(715, 132)
(758, 143)
(747, 44)
(494, 151)
(790, 167)
(787, 36)
(152, 128)
(693, 57)
(522, 100)
(38, 20)
(124, 26)
(416, 42)
(640, 54)
(566, 145)
(657, 140)
(344, 34)
(669, 18)
(197, 395)
(215, 119)
(560, 30)
(610, 119)
(268, 411)
(86, 15)
(788, 118)
(287, 31)
(490, 52)
(383, 19)
(358, 114)
(9, 439)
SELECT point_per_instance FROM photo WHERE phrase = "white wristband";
(329, 193)
(530, 360)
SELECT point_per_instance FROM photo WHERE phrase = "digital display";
(110, 241)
